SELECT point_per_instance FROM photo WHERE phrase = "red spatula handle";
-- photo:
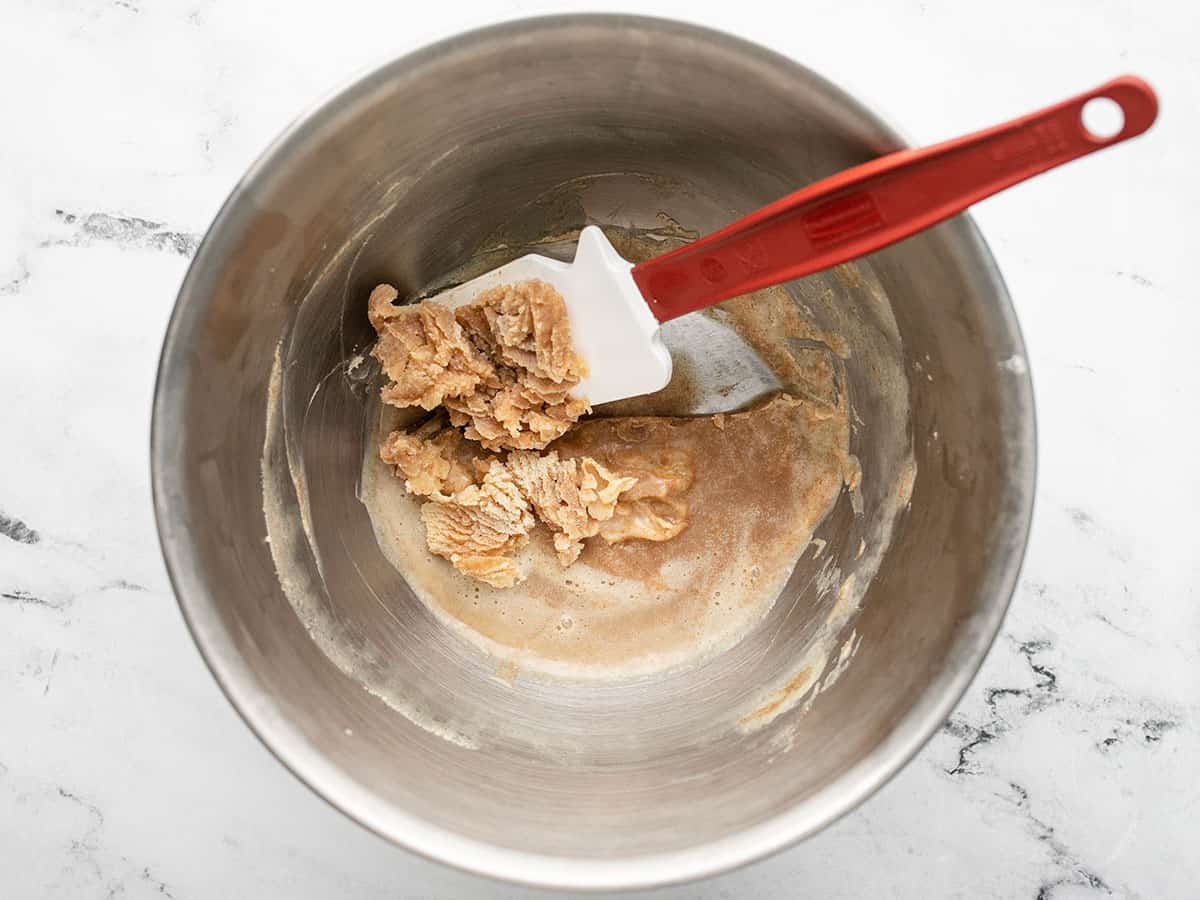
(880, 202)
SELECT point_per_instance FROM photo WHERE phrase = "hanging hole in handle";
(1102, 118)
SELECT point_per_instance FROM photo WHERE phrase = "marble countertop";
(1068, 771)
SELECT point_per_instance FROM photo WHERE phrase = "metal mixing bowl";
(474, 149)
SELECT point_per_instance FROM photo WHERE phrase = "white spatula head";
(613, 330)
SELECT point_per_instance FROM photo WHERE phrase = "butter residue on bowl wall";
(290, 538)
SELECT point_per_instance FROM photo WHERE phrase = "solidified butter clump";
(435, 461)
(573, 496)
(503, 368)
(480, 525)
(480, 507)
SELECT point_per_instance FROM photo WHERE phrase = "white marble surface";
(1069, 771)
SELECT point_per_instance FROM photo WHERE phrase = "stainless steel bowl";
(470, 150)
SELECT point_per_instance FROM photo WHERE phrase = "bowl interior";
(457, 159)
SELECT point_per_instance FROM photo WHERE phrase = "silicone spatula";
(615, 308)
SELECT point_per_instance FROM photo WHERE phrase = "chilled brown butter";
(502, 366)
(680, 532)
(756, 485)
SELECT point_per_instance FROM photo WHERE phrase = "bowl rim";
(287, 744)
